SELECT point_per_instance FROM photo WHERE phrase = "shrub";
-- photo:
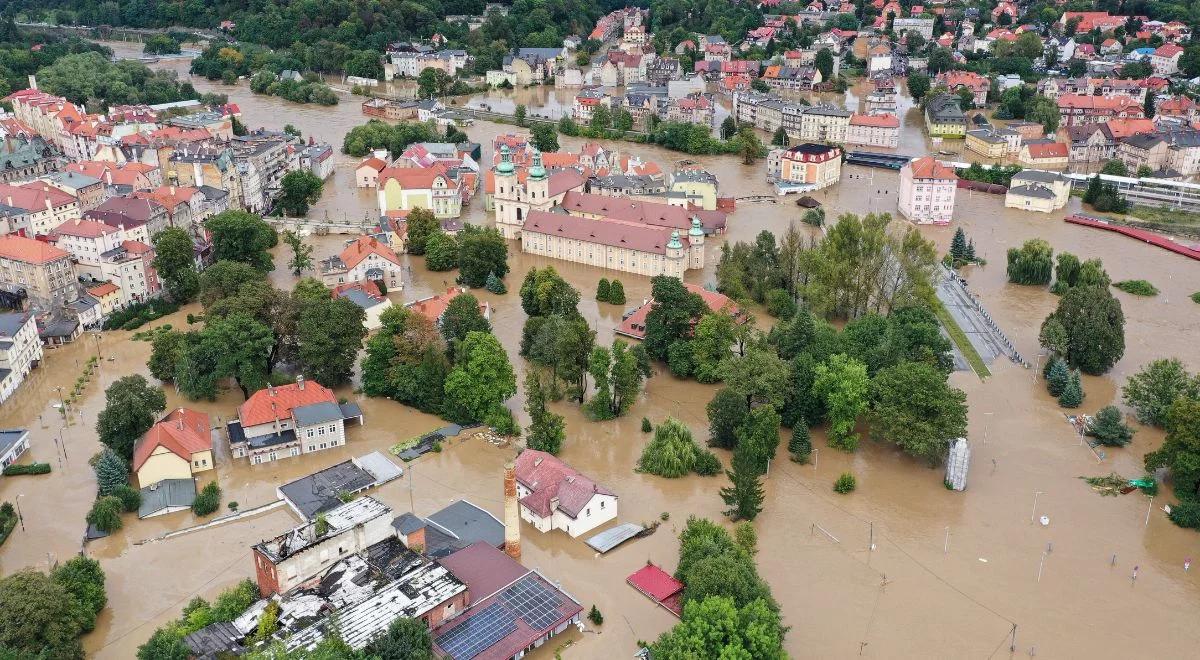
(616, 293)
(646, 426)
(1186, 514)
(707, 463)
(673, 453)
(1196, 297)
(1137, 287)
(503, 422)
(602, 290)
(1108, 427)
(845, 484)
(208, 501)
(32, 468)
(595, 616)
(800, 446)
(130, 498)
(106, 514)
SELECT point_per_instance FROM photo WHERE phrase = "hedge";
(32, 468)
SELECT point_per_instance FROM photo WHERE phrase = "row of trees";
(309, 89)
(479, 253)
(1163, 394)
(91, 78)
(376, 134)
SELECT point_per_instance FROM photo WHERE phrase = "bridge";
(320, 227)
(758, 198)
(872, 159)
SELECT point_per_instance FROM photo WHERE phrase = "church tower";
(537, 186)
(509, 214)
(696, 244)
(676, 259)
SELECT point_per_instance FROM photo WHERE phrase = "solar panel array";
(478, 633)
(533, 602)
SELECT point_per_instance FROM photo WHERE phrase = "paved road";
(986, 338)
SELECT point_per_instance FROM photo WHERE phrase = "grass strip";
(960, 339)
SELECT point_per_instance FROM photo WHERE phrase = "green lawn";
(960, 339)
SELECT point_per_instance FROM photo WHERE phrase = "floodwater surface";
(949, 573)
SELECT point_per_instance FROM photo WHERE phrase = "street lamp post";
(1033, 513)
(19, 516)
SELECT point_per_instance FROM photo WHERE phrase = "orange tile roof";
(84, 228)
(277, 402)
(1123, 128)
(19, 248)
(364, 247)
(183, 432)
(928, 167)
(433, 307)
(881, 121)
(169, 196)
(415, 177)
(1048, 150)
(101, 290)
(372, 162)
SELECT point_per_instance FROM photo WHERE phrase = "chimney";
(32, 81)
(271, 390)
(512, 519)
(300, 382)
(180, 420)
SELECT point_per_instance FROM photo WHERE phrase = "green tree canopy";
(482, 378)
(243, 237)
(131, 407)
(913, 407)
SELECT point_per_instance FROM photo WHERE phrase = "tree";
(225, 279)
(481, 381)
(1180, 452)
(207, 502)
(1058, 378)
(1108, 426)
(245, 346)
(601, 118)
(602, 290)
(1072, 394)
(711, 347)
(800, 445)
(616, 292)
(913, 407)
(715, 627)
(670, 318)
(726, 412)
(824, 63)
(519, 114)
(1152, 390)
(1032, 264)
(495, 285)
(243, 237)
(918, 85)
(545, 138)
(745, 494)
(780, 138)
(83, 578)
(462, 316)
(843, 385)
(623, 120)
(405, 639)
(131, 407)
(112, 471)
(1114, 168)
(751, 147)
(846, 483)
(301, 254)
(547, 430)
(728, 127)
(760, 376)
(958, 246)
(299, 189)
(422, 224)
(175, 263)
(164, 644)
(758, 437)
(618, 375)
(106, 514)
(482, 251)
(1148, 105)
(760, 85)
(42, 618)
(671, 453)
(441, 252)
(329, 336)
(1094, 328)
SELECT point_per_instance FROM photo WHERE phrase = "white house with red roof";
(408, 188)
(1165, 59)
(366, 258)
(289, 420)
(553, 495)
(927, 191)
(177, 447)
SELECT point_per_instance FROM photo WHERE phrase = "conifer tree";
(616, 293)
(1072, 394)
(958, 246)
(800, 446)
(745, 493)
(495, 284)
(602, 290)
(111, 472)
(970, 255)
(1108, 426)
(1058, 378)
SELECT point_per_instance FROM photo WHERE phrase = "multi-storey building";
(805, 167)
(20, 350)
(365, 259)
(289, 420)
(631, 247)
(141, 219)
(44, 206)
(927, 191)
(944, 117)
(408, 188)
(881, 130)
(42, 270)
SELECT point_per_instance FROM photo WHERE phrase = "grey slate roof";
(215, 640)
(317, 413)
(10, 437)
(11, 323)
(166, 494)
(1040, 176)
(1038, 191)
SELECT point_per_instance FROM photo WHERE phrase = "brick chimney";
(512, 518)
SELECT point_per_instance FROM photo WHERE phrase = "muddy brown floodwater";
(912, 596)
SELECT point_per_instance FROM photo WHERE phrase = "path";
(983, 333)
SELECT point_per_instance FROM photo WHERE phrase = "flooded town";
(1003, 545)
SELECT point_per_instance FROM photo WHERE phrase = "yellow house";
(697, 186)
(944, 117)
(177, 447)
(109, 295)
(987, 144)
(405, 189)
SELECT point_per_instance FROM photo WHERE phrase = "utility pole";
(872, 547)
(19, 516)
(946, 547)
(411, 506)
(1033, 513)
(1148, 509)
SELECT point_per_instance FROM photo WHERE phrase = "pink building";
(927, 191)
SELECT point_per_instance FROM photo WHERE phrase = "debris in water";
(1108, 486)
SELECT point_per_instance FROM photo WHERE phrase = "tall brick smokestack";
(512, 518)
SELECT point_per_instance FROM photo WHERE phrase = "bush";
(208, 501)
(616, 293)
(1108, 427)
(595, 616)
(673, 453)
(1186, 514)
(602, 290)
(845, 484)
(8, 521)
(139, 314)
(130, 498)
(707, 463)
(106, 514)
(503, 422)
(1196, 297)
(32, 468)
(1137, 287)
(646, 426)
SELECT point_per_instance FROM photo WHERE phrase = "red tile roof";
(547, 478)
(183, 432)
(433, 307)
(619, 208)
(879, 121)
(19, 248)
(277, 402)
(101, 290)
(928, 167)
(84, 228)
(484, 569)
(34, 196)
(364, 247)
(604, 231)
(659, 586)
(419, 178)
(372, 162)
(1048, 150)
(634, 325)
(168, 196)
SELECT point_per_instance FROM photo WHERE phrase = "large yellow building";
(177, 447)
(409, 188)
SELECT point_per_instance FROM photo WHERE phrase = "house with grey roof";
(15, 442)
(1038, 190)
(449, 530)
